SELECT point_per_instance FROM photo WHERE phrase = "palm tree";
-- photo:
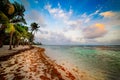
(3, 21)
(11, 13)
(18, 15)
(6, 9)
(10, 29)
(34, 28)
(20, 32)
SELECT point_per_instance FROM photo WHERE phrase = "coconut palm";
(11, 13)
(34, 28)
(15, 11)
(3, 21)
(10, 29)
(20, 32)
(6, 10)
(6, 7)
(18, 15)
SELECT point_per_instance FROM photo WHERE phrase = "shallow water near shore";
(100, 62)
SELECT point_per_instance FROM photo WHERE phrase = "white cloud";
(52, 37)
(73, 23)
(58, 12)
(87, 20)
(84, 15)
(65, 16)
(96, 12)
(75, 36)
(79, 30)
(60, 37)
(74, 31)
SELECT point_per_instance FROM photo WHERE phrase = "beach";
(59, 63)
(33, 64)
(59, 40)
(4, 51)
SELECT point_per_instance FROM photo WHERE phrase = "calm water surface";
(102, 62)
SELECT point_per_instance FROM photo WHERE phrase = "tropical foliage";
(12, 25)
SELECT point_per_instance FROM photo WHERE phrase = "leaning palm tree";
(18, 15)
(34, 28)
(13, 13)
(10, 29)
(3, 21)
(20, 32)
(6, 9)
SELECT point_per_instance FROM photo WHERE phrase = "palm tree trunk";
(10, 45)
(13, 41)
(1, 43)
(17, 43)
(2, 35)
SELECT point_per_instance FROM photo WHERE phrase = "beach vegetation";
(12, 25)
(11, 16)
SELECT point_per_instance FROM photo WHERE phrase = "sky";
(74, 22)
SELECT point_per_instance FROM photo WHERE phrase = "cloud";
(73, 24)
(111, 15)
(86, 18)
(52, 37)
(108, 14)
(110, 18)
(95, 31)
(66, 16)
(79, 22)
(112, 37)
(58, 12)
(83, 19)
(75, 36)
(35, 16)
(76, 29)
(60, 37)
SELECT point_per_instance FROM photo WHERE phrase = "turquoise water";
(101, 62)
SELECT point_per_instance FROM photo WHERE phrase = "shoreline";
(34, 63)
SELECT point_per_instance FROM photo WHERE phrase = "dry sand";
(4, 50)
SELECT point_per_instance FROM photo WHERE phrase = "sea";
(100, 62)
